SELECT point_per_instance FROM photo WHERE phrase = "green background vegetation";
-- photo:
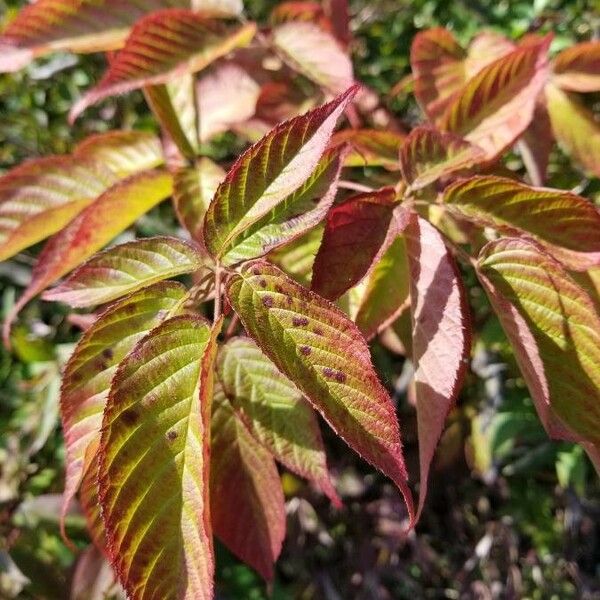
(510, 514)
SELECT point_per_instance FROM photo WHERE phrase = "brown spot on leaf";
(262, 283)
(305, 350)
(318, 331)
(107, 353)
(328, 372)
(255, 271)
(130, 416)
(341, 377)
(299, 321)
(172, 435)
(267, 301)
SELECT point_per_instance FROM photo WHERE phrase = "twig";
(217, 311)
(357, 187)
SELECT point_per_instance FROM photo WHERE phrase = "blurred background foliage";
(510, 514)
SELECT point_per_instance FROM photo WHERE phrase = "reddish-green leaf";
(428, 155)
(299, 11)
(247, 504)
(125, 269)
(93, 228)
(554, 330)
(88, 493)
(440, 336)
(269, 172)
(315, 53)
(164, 45)
(496, 106)
(296, 214)
(537, 143)
(577, 69)
(437, 62)
(354, 237)
(88, 373)
(370, 147)
(193, 189)
(567, 225)
(386, 290)
(174, 105)
(323, 353)
(575, 128)
(274, 411)
(154, 463)
(227, 96)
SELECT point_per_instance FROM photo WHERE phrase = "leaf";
(247, 504)
(174, 105)
(94, 227)
(154, 463)
(88, 373)
(88, 494)
(428, 155)
(296, 214)
(567, 225)
(440, 337)
(123, 152)
(577, 69)
(354, 237)
(126, 268)
(299, 11)
(386, 293)
(575, 128)
(323, 353)
(164, 45)
(485, 48)
(39, 197)
(269, 172)
(329, 67)
(274, 411)
(369, 147)
(537, 143)
(437, 62)
(227, 96)
(496, 106)
(193, 189)
(93, 579)
(554, 330)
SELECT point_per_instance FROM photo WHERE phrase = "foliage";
(180, 395)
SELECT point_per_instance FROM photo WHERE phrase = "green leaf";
(323, 353)
(274, 411)
(154, 463)
(554, 330)
(269, 172)
(369, 147)
(95, 226)
(495, 107)
(293, 216)
(193, 189)
(247, 503)
(89, 371)
(575, 128)
(428, 155)
(126, 268)
(567, 225)
(162, 46)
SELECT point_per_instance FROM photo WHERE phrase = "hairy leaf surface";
(164, 45)
(269, 172)
(294, 215)
(575, 128)
(324, 354)
(567, 225)
(126, 268)
(355, 233)
(88, 373)
(274, 411)
(315, 53)
(93, 228)
(440, 336)
(496, 106)
(554, 330)
(247, 503)
(577, 69)
(154, 463)
(428, 155)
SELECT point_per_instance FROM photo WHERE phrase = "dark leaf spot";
(130, 416)
(263, 283)
(299, 321)
(305, 350)
(328, 372)
(267, 301)
(341, 377)
(318, 331)
(172, 435)
(107, 353)
(255, 271)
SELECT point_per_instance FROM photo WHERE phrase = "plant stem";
(357, 187)
(217, 311)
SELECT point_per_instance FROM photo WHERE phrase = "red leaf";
(577, 69)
